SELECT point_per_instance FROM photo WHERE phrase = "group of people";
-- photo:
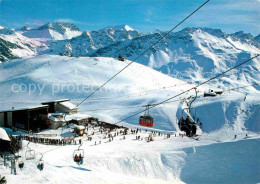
(47, 140)
(187, 126)
(78, 159)
(183, 121)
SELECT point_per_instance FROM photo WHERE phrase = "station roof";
(55, 101)
(68, 105)
(25, 108)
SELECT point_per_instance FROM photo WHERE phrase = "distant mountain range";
(192, 53)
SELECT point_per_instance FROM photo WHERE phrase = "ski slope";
(28, 82)
(173, 160)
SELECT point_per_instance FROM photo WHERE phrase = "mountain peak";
(85, 34)
(242, 34)
(58, 26)
(121, 27)
(6, 31)
(124, 27)
(25, 28)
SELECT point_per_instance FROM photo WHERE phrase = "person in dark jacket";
(80, 159)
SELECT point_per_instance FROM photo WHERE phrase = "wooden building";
(29, 119)
(79, 130)
(79, 119)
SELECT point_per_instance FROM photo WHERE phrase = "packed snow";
(127, 160)
(26, 82)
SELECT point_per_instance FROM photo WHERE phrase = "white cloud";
(229, 15)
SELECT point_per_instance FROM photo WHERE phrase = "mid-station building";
(52, 114)
(29, 119)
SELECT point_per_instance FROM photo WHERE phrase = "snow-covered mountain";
(52, 31)
(15, 45)
(5, 50)
(28, 41)
(23, 29)
(29, 81)
(89, 41)
(192, 53)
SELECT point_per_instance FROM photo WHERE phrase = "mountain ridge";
(191, 54)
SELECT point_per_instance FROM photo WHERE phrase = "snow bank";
(4, 135)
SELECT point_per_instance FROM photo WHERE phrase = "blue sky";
(143, 15)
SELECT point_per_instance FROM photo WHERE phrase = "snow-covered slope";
(31, 81)
(25, 82)
(53, 31)
(89, 41)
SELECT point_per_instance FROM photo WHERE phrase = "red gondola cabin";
(146, 121)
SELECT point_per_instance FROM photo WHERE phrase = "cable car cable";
(136, 106)
(217, 76)
(143, 52)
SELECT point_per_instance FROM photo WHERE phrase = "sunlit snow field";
(215, 158)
